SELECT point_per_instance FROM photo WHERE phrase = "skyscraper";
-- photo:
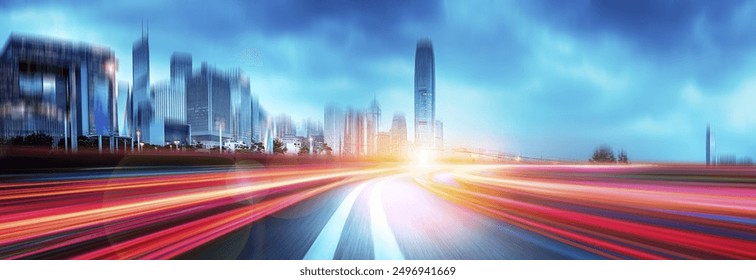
(125, 109)
(373, 124)
(398, 133)
(143, 112)
(208, 103)
(425, 95)
(708, 145)
(181, 67)
(354, 133)
(333, 128)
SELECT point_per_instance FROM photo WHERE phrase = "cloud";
(547, 78)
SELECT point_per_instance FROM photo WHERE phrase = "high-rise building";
(333, 128)
(241, 109)
(398, 131)
(143, 110)
(257, 129)
(283, 127)
(208, 103)
(354, 133)
(265, 123)
(181, 67)
(425, 95)
(384, 144)
(372, 125)
(59, 88)
(124, 109)
(708, 145)
(169, 123)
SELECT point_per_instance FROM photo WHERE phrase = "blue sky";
(552, 78)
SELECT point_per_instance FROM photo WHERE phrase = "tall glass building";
(241, 107)
(333, 128)
(143, 111)
(398, 133)
(208, 105)
(373, 124)
(181, 67)
(124, 109)
(59, 88)
(425, 95)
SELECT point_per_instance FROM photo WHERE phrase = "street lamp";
(139, 140)
(311, 146)
(220, 124)
(176, 142)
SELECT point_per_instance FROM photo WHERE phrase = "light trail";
(637, 212)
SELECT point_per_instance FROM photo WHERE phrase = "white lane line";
(324, 247)
(384, 242)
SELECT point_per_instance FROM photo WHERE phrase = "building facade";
(59, 88)
(372, 126)
(425, 95)
(399, 145)
(208, 103)
(333, 128)
(142, 103)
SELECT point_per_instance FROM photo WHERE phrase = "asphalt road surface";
(374, 211)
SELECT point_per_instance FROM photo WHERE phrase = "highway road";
(381, 211)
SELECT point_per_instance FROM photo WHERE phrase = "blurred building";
(142, 101)
(333, 128)
(60, 88)
(425, 95)
(124, 113)
(208, 103)
(169, 123)
(398, 131)
(354, 133)
(181, 68)
(283, 127)
(372, 126)
(384, 144)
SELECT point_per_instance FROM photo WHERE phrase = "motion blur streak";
(428, 211)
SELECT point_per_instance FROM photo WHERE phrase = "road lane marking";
(324, 247)
(384, 242)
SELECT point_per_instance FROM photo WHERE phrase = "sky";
(552, 79)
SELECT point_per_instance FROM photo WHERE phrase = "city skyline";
(531, 84)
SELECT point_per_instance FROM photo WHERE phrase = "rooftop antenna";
(143, 28)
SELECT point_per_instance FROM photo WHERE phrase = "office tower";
(333, 128)
(124, 109)
(372, 125)
(208, 103)
(241, 109)
(169, 123)
(384, 144)
(56, 87)
(398, 133)
(283, 127)
(266, 130)
(143, 110)
(181, 67)
(425, 95)
(255, 119)
(438, 130)
(354, 133)
(708, 145)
